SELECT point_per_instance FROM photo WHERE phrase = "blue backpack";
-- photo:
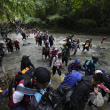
(72, 78)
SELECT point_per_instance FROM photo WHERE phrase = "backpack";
(85, 63)
(47, 49)
(2, 53)
(64, 54)
(43, 51)
(70, 67)
(50, 100)
(51, 60)
(15, 81)
(72, 78)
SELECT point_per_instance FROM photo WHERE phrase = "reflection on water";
(12, 61)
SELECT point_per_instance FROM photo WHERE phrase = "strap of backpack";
(26, 91)
(77, 83)
(55, 59)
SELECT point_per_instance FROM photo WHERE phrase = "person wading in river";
(81, 91)
(56, 64)
(24, 98)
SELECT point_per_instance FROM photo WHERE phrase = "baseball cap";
(42, 75)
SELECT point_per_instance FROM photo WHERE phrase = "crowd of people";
(31, 85)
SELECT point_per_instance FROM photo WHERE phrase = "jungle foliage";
(78, 15)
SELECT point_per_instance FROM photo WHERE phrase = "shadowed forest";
(77, 15)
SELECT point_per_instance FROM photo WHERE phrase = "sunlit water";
(12, 61)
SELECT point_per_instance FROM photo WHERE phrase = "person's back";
(82, 89)
(64, 54)
(91, 66)
(28, 93)
(16, 43)
(47, 49)
(79, 96)
(40, 38)
(25, 62)
(36, 37)
(9, 43)
(54, 53)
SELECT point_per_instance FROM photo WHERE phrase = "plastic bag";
(98, 101)
(50, 100)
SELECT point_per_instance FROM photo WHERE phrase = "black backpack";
(15, 80)
(85, 63)
(2, 53)
(50, 100)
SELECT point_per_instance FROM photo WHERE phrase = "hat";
(56, 49)
(24, 57)
(42, 75)
(95, 58)
(77, 61)
(98, 71)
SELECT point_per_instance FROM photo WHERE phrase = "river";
(12, 61)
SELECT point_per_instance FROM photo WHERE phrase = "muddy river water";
(12, 61)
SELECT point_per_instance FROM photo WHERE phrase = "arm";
(70, 67)
(95, 66)
(22, 65)
(82, 68)
(107, 90)
(30, 64)
(104, 88)
(18, 42)
(15, 100)
(87, 63)
(52, 62)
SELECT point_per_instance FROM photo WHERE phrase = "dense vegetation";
(78, 15)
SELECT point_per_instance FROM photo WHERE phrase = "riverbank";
(72, 31)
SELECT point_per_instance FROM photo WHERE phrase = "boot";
(1, 91)
(61, 78)
(51, 72)
(52, 76)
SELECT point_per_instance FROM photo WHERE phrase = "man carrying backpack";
(81, 86)
(76, 66)
(25, 62)
(76, 46)
(65, 55)
(23, 35)
(16, 43)
(28, 95)
(36, 38)
(51, 39)
(90, 66)
(46, 51)
(9, 45)
(40, 40)
(86, 45)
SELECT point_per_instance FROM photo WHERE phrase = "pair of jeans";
(58, 70)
